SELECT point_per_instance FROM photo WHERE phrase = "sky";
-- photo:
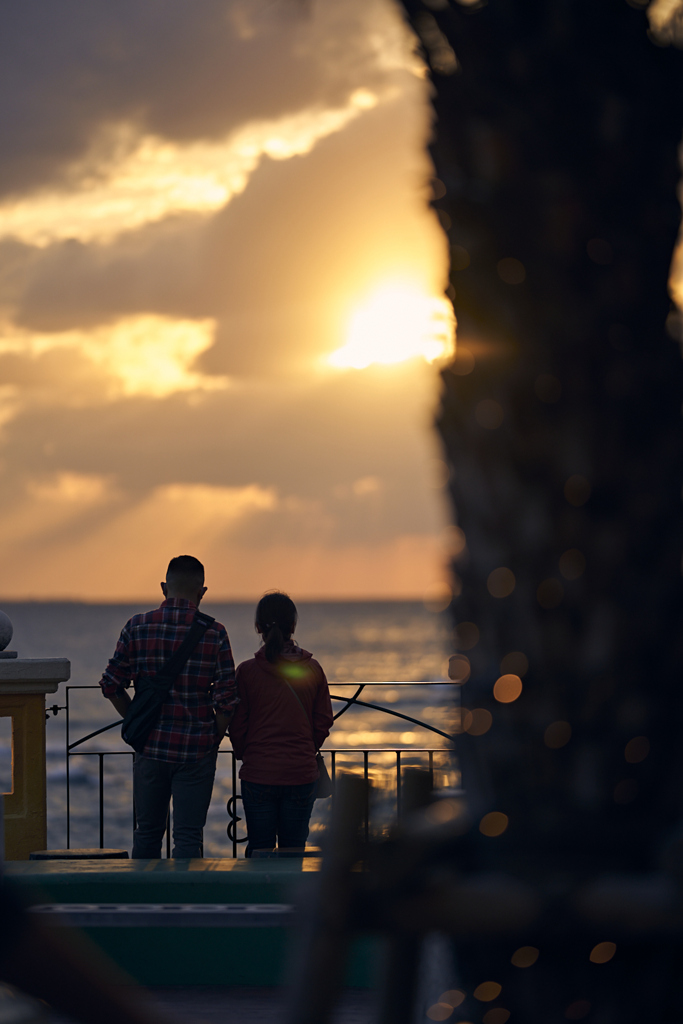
(221, 301)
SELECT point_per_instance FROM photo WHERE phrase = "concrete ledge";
(164, 881)
(33, 675)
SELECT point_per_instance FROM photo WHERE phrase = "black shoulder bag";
(151, 692)
(325, 787)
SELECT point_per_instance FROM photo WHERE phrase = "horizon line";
(361, 599)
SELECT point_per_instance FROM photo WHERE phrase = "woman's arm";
(322, 712)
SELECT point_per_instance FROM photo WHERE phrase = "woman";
(283, 716)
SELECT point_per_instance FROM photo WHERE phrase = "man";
(179, 756)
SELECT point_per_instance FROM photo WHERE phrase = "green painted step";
(186, 956)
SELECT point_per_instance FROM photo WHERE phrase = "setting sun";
(397, 322)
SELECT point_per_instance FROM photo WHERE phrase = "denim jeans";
(277, 811)
(189, 783)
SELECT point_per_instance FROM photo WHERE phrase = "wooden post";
(23, 685)
(327, 934)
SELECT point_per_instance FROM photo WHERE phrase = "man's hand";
(222, 723)
(121, 703)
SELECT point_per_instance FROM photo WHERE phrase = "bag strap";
(175, 664)
(310, 722)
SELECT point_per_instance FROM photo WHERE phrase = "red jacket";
(270, 733)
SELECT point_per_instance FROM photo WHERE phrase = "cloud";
(172, 70)
(144, 355)
(74, 490)
(145, 179)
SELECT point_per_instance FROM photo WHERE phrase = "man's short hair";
(185, 568)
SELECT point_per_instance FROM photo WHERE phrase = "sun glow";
(397, 322)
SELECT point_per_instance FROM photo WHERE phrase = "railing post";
(23, 685)
(398, 785)
(234, 803)
(101, 756)
(68, 780)
(366, 756)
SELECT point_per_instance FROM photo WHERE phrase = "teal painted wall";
(192, 956)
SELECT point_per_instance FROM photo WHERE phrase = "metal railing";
(399, 754)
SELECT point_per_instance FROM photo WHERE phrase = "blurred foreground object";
(556, 159)
(536, 945)
(66, 971)
(17, 1009)
(556, 156)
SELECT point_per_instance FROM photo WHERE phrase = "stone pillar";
(23, 685)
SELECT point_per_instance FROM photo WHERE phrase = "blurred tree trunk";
(555, 151)
(556, 145)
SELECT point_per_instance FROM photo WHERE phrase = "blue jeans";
(154, 783)
(277, 811)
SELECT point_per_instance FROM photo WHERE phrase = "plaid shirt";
(186, 730)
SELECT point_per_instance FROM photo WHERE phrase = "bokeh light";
(454, 997)
(439, 1011)
(459, 668)
(525, 956)
(626, 791)
(477, 721)
(602, 953)
(467, 635)
(489, 413)
(454, 540)
(496, 1015)
(572, 564)
(511, 271)
(558, 734)
(577, 490)
(548, 388)
(599, 251)
(637, 749)
(460, 258)
(493, 824)
(515, 662)
(501, 582)
(464, 362)
(440, 812)
(438, 189)
(578, 1010)
(438, 596)
(550, 593)
(487, 991)
(507, 688)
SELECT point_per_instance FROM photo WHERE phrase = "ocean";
(387, 642)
